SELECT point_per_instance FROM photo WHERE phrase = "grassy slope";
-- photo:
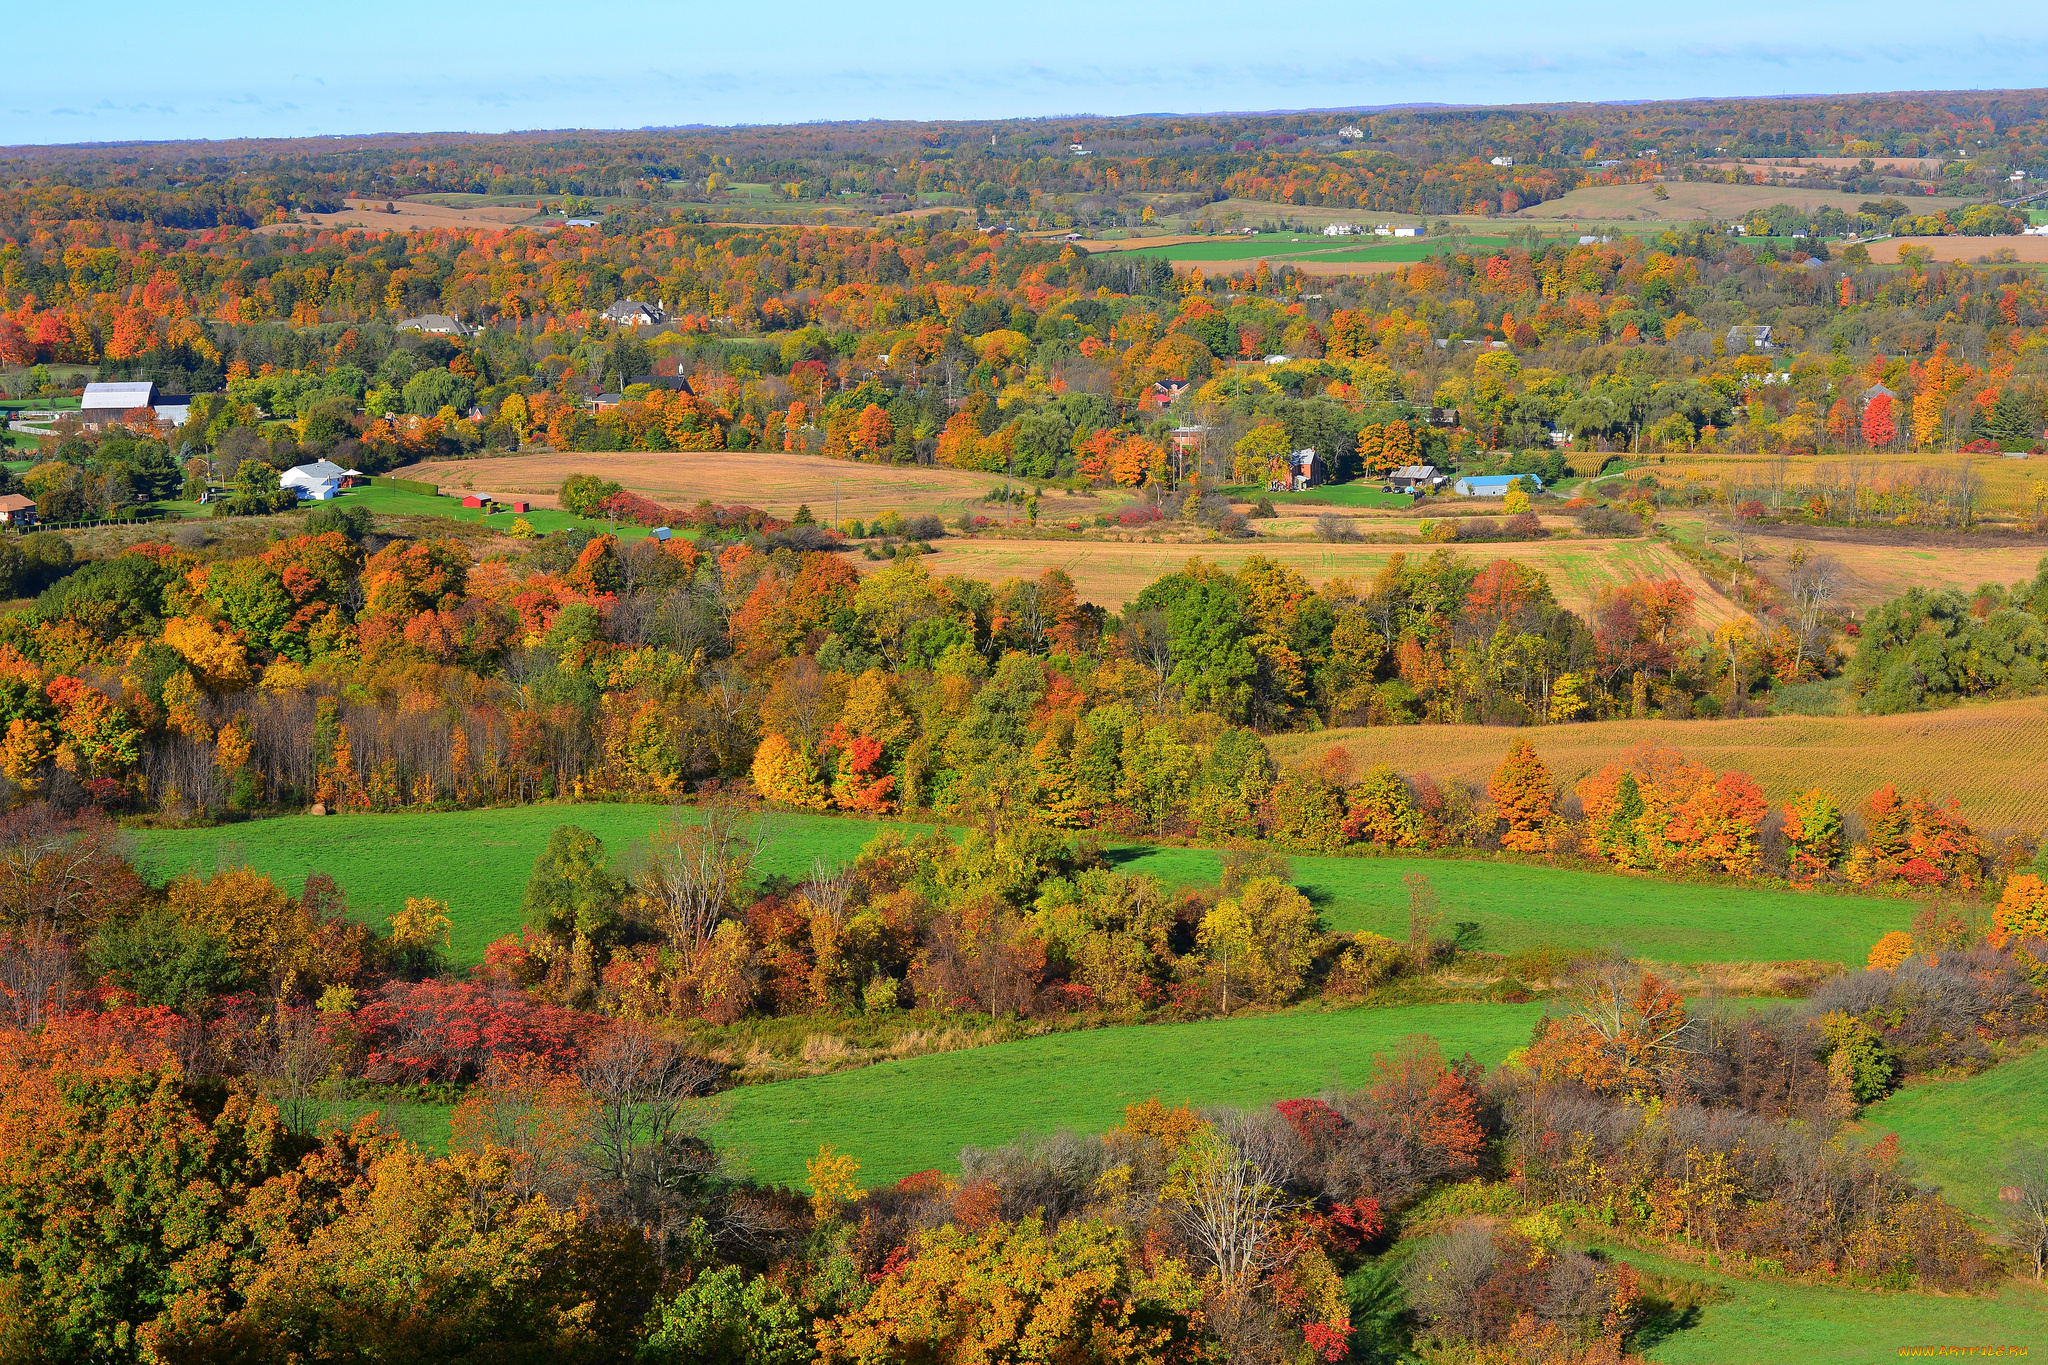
(478, 861)
(1957, 1133)
(1520, 906)
(903, 1116)
(1768, 1322)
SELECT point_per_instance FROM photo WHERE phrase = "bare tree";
(645, 1090)
(35, 975)
(1814, 584)
(828, 891)
(289, 1064)
(1151, 637)
(2027, 1194)
(1224, 1194)
(696, 871)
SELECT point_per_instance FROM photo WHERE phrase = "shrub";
(1607, 521)
(1331, 526)
(451, 1030)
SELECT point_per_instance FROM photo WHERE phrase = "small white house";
(1340, 229)
(437, 324)
(1350, 132)
(634, 313)
(1503, 161)
(318, 481)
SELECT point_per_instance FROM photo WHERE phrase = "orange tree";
(1521, 794)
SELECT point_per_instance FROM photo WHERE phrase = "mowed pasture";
(1111, 573)
(1988, 755)
(915, 1114)
(478, 862)
(1767, 1321)
(1961, 1132)
(775, 482)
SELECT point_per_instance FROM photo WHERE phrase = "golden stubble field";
(1108, 568)
(2004, 483)
(769, 480)
(1111, 573)
(1989, 756)
(1687, 200)
(411, 214)
(1878, 573)
(2025, 250)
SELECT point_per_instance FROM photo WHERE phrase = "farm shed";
(1491, 485)
(118, 397)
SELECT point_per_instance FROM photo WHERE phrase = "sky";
(174, 69)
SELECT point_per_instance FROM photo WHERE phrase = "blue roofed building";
(1491, 485)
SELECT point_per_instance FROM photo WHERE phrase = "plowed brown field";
(1990, 756)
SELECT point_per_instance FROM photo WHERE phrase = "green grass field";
(478, 861)
(1768, 1322)
(916, 1114)
(1280, 246)
(1359, 494)
(1518, 906)
(1958, 1132)
(388, 501)
(399, 502)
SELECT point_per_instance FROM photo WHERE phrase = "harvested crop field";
(2026, 250)
(769, 480)
(369, 215)
(1878, 573)
(1989, 756)
(1688, 200)
(1110, 573)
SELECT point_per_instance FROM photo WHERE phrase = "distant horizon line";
(985, 122)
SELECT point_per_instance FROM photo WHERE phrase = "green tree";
(573, 896)
(727, 1317)
(1213, 662)
(121, 1189)
(167, 961)
(251, 597)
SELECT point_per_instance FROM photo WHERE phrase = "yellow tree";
(1015, 1294)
